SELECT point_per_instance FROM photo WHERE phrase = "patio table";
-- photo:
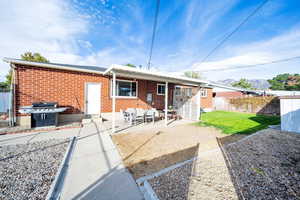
(171, 113)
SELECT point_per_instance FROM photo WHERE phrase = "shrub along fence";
(267, 105)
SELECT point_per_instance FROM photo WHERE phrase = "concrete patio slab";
(96, 169)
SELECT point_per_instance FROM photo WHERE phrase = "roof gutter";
(233, 88)
(47, 65)
(131, 71)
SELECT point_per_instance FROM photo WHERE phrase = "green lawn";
(235, 122)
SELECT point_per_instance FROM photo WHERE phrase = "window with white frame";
(161, 88)
(203, 92)
(177, 90)
(125, 88)
(189, 92)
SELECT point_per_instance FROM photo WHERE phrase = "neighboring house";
(222, 93)
(281, 92)
(225, 91)
(207, 99)
(87, 90)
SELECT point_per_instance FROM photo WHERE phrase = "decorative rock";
(27, 170)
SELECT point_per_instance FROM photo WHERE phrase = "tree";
(130, 65)
(193, 74)
(35, 57)
(8, 77)
(242, 83)
(28, 56)
(6, 84)
(285, 82)
(3, 86)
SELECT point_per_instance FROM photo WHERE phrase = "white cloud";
(54, 28)
(283, 46)
(49, 27)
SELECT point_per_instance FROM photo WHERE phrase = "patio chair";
(131, 114)
(150, 114)
(126, 115)
(139, 115)
(131, 110)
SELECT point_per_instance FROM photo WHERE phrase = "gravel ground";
(262, 167)
(27, 170)
(211, 179)
(173, 184)
(267, 165)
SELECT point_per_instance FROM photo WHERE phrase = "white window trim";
(189, 92)
(160, 84)
(124, 97)
(178, 87)
(205, 92)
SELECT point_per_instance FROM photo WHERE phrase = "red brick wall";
(67, 88)
(206, 102)
(229, 94)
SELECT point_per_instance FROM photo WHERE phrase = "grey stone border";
(145, 186)
(57, 185)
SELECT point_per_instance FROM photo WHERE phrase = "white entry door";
(93, 98)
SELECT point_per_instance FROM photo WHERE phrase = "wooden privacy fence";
(268, 105)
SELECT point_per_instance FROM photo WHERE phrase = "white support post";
(114, 103)
(199, 103)
(166, 104)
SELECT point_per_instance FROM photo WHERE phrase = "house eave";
(130, 72)
(49, 65)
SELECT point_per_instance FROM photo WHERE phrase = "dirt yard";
(149, 151)
(263, 166)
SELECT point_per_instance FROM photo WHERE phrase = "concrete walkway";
(96, 170)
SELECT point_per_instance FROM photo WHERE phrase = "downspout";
(199, 114)
(114, 103)
(12, 113)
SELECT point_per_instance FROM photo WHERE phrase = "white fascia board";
(49, 65)
(131, 71)
(230, 88)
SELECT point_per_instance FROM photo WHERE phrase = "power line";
(254, 65)
(153, 32)
(234, 31)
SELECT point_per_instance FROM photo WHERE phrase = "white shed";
(290, 113)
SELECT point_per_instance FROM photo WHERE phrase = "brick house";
(207, 98)
(87, 90)
(225, 91)
(222, 93)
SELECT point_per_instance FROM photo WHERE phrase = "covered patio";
(181, 95)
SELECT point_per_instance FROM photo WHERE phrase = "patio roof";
(131, 72)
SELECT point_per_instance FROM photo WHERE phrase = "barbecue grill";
(43, 113)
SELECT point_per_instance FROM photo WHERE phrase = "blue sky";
(104, 32)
